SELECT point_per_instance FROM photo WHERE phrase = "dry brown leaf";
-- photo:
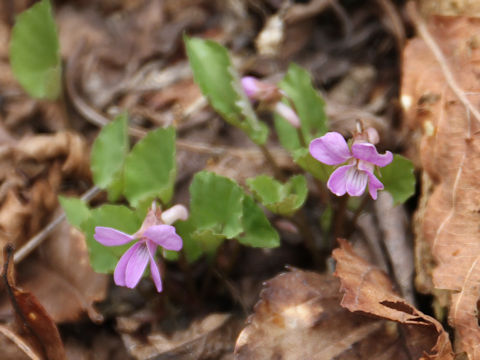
(32, 320)
(47, 147)
(440, 97)
(299, 317)
(64, 255)
(369, 290)
(208, 338)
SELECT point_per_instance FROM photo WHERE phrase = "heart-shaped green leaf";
(108, 155)
(150, 168)
(283, 199)
(216, 204)
(398, 179)
(258, 232)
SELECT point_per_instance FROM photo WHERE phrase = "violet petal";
(165, 236)
(373, 185)
(136, 265)
(368, 152)
(337, 183)
(154, 271)
(111, 237)
(119, 274)
(356, 181)
(330, 149)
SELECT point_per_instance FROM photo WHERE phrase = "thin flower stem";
(339, 218)
(273, 164)
(186, 269)
(301, 137)
(32, 244)
(305, 230)
(359, 209)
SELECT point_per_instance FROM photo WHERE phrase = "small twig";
(437, 52)
(32, 244)
(273, 164)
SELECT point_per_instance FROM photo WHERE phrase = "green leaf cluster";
(219, 210)
(34, 52)
(145, 173)
(398, 179)
(283, 199)
(220, 83)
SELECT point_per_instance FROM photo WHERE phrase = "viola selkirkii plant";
(361, 159)
(155, 231)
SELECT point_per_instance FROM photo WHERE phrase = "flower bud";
(177, 212)
(287, 113)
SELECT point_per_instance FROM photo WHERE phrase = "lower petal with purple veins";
(356, 181)
(337, 183)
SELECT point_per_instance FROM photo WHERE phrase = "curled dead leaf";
(369, 290)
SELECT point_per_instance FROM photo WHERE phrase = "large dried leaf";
(299, 317)
(369, 290)
(33, 321)
(450, 155)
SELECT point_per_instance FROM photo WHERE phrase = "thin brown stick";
(32, 244)
(437, 52)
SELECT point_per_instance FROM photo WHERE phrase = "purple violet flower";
(153, 233)
(361, 159)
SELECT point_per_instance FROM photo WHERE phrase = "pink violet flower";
(154, 232)
(361, 159)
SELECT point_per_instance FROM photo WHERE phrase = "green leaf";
(150, 168)
(258, 232)
(309, 105)
(191, 247)
(398, 179)
(104, 258)
(216, 204)
(76, 211)
(283, 199)
(108, 155)
(220, 83)
(34, 52)
(287, 134)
